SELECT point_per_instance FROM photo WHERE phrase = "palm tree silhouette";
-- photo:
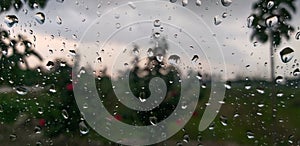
(269, 23)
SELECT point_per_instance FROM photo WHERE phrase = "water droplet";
(279, 94)
(58, 20)
(40, 17)
(270, 4)
(159, 58)
(286, 54)
(185, 2)
(260, 90)
(37, 129)
(198, 2)
(227, 85)
(211, 126)
(153, 120)
(271, 21)
(195, 58)
(65, 114)
(1, 109)
(179, 144)
(132, 5)
(12, 137)
(297, 36)
(296, 72)
(40, 110)
(85, 106)
(118, 25)
(223, 120)
(173, 1)
(279, 79)
(50, 65)
(156, 23)
(174, 59)
(290, 139)
(72, 52)
(150, 52)
(21, 90)
(226, 3)
(52, 89)
(186, 138)
(10, 20)
(156, 35)
(250, 134)
(250, 21)
(217, 20)
(83, 128)
(224, 15)
(60, 1)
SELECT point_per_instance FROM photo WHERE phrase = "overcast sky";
(232, 33)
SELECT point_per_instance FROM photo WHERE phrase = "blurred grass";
(239, 101)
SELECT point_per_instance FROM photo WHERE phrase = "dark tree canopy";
(269, 20)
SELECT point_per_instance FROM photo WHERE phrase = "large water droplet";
(217, 20)
(50, 65)
(156, 23)
(226, 3)
(153, 120)
(37, 129)
(250, 21)
(250, 134)
(174, 59)
(198, 2)
(83, 128)
(186, 138)
(223, 120)
(270, 4)
(65, 114)
(286, 54)
(271, 21)
(296, 72)
(185, 2)
(21, 90)
(40, 17)
(10, 20)
(297, 36)
(12, 137)
(279, 79)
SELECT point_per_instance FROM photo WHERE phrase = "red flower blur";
(42, 122)
(69, 87)
(118, 117)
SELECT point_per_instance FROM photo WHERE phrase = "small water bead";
(21, 90)
(83, 128)
(270, 4)
(286, 54)
(156, 23)
(11, 20)
(250, 134)
(217, 20)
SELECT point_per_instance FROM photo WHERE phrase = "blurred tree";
(269, 23)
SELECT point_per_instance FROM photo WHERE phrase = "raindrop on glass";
(198, 2)
(286, 54)
(195, 58)
(173, 1)
(21, 90)
(250, 134)
(217, 20)
(10, 20)
(50, 65)
(132, 5)
(52, 89)
(40, 17)
(271, 21)
(156, 23)
(186, 138)
(118, 25)
(83, 128)
(174, 59)
(65, 114)
(37, 129)
(270, 4)
(279, 79)
(296, 72)
(153, 120)
(58, 20)
(12, 137)
(297, 36)
(185, 2)
(223, 120)
(250, 21)
(224, 15)
(226, 3)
